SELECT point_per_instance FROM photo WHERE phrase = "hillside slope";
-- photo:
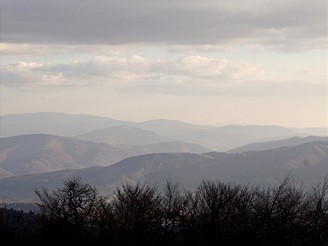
(307, 163)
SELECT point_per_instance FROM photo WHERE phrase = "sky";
(217, 62)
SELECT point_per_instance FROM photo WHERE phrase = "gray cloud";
(180, 22)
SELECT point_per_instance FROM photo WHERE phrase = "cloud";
(187, 75)
(273, 23)
(20, 74)
(128, 72)
(26, 49)
(203, 67)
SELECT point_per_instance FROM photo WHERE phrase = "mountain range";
(277, 144)
(307, 162)
(37, 153)
(118, 135)
(228, 137)
(100, 129)
(44, 149)
(54, 123)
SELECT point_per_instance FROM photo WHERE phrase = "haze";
(206, 62)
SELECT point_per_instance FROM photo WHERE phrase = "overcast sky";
(213, 62)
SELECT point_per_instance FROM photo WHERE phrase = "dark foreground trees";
(143, 214)
(71, 211)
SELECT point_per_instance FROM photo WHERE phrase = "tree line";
(143, 214)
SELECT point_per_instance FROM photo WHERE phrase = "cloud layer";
(290, 25)
(104, 70)
(187, 75)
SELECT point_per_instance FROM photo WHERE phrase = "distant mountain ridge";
(118, 135)
(167, 147)
(37, 153)
(307, 162)
(217, 138)
(277, 144)
(54, 123)
(170, 127)
(228, 137)
(312, 131)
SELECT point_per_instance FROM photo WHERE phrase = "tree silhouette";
(174, 212)
(215, 212)
(71, 208)
(317, 214)
(137, 210)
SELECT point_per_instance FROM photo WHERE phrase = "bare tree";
(213, 204)
(137, 210)
(317, 217)
(76, 204)
(278, 211)
(174, 211)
